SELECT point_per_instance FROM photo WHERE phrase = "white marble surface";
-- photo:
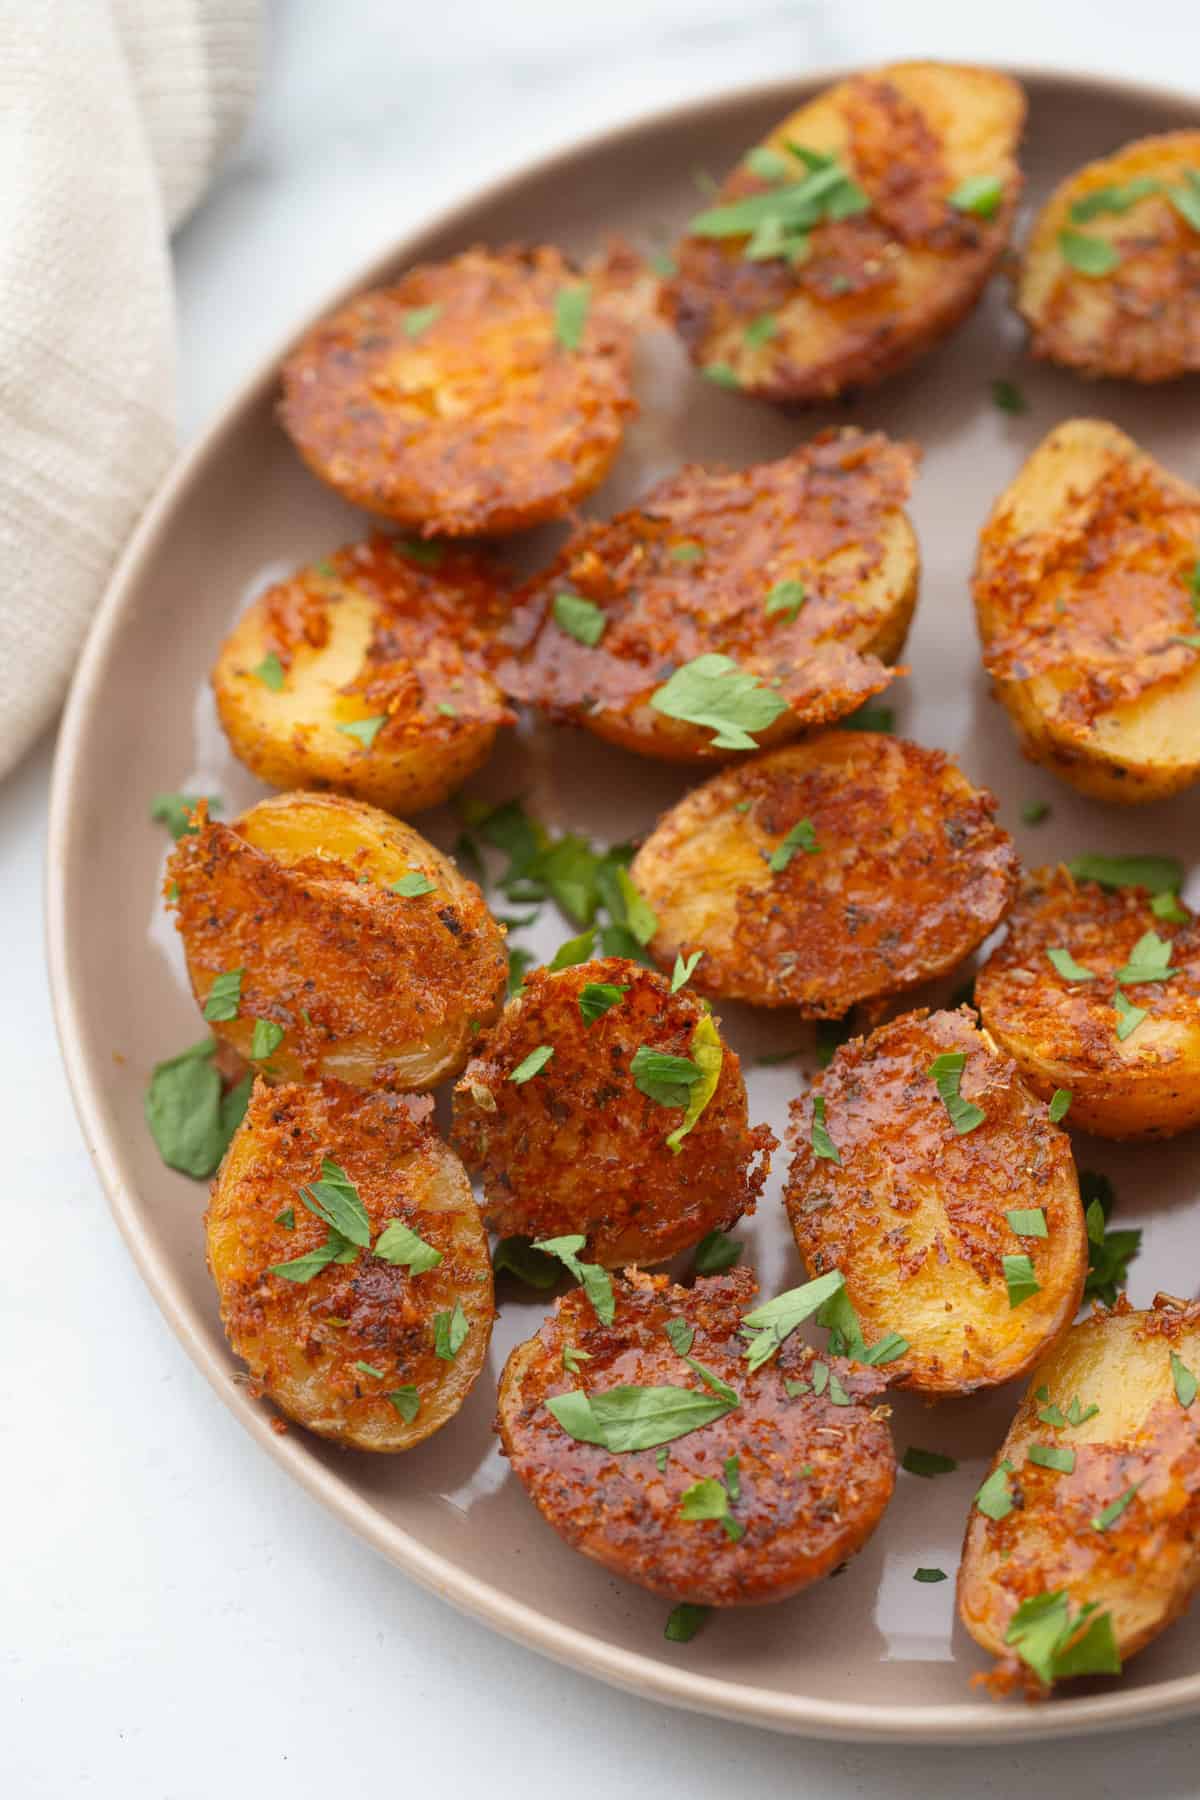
(179, 1621)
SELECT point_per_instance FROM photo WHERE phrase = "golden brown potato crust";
(1144, 1567)
(305, 1343)
(688, 572)
(1140, 321)
(813, 1477)
(877, 288)
(1086, 601)
(914, 1215)
(369, 633)
(579, 1148)
(369, 985)
(1063, 1033)
(481, 421)
(910, 874)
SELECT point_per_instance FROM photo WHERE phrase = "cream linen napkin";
(113, 117)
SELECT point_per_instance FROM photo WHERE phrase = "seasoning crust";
(1063, 1032)
(480, 422)
(876, 288)
(579, 1147)
(910, 874)
(692, 570)
(624, 1512)
(376, 639)
(369, 986)
(914, 1214)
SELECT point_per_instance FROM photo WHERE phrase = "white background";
(176, 1619)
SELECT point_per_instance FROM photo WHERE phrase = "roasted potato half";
(846, 868)
(324, 938)
(919, 1205)
(802, 572)
(1088, 602)
(858, 234)
(475, 397)
(805, 1481)
(369, 674)
(604, 1104)
(1110, 276)
(1061, 994)
(1111, 1519)
(349, 1344)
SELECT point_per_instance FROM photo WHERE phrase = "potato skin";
(1083, 598)
(482, 423)
(579, 1148)
(622, 1511)
(366, 632)
(301, 1342)
(879, 288)
(830, 514)
(1145, 1566)
(911, 874)
(914, 1214)
(1063, 1033)
(1141, 322)
(371, 987)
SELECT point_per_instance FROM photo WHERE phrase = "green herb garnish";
(823, 1146)
(598, 997)
(927, 1463)
(1129, 1017)
(1020, 1279)
(1045, 1636)
(1157, 874)
(224, 997)
(579, 618)
(450, 1332)
(994, 1499)
(1067, 967)
(1185, 1382)
(802, 836)
(570, 314)
(1060, 1101)
(517, 1256)
(400, 1245)
(418, 319)
(266, 1039)
(270, 672)
(365, 730)
(786, 597)
(1090, 256)
(978, 194)
(406, 1400)
(595, 1281)
(412, 884)
(189, 1119)
(532, 1065)
(172, 811)
(665, 1079)
(629, 1418)
(946, 1072)
(716, 1252)
(683, 971)
(684, 1621)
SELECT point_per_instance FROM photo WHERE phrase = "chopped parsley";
(1116, 199)
(418, 319)
(1020, 1279)
(1067, 967)
(686, 552)
(190, 1120)
(450, 1332)
(1060, 1102)
(400, 1245)
(1008, 396)
(1035, 812)
(365, 730)
(1027, 1221)
(1157, 874)
(1185, 1382)
(721, 374)
(266, 1039)
(572, 1358)
(571, 306)
(270, 672)
(366, 1368)
(709, 1498)
(760, 331)
(777, 223)
(579, 618)
(224, 997)
(708, 1056)
(406, 1400)
(870, 718)
(927, 1463)
(1090, 256)
(1149, 960)
(978, 194)
(713, 691)
(823, 1146)
(1109, 1252)
(994, 1499)
(532, 1065)
(946, 1072)
(786, 597)
(629, 1418)
(595, 1281)
(1052, 1456)
(517, 1256)
(286, 1218)
(1055, 1645)
(665, 1079)
(716, 1252)
(172, 811)
(414, 883)
(683, 971)
(684, 1621)
(769, 1325)
(1109, 1514)
(802, 836)
(599, 997)
(1129, 1016)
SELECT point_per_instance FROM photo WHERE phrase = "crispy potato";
(890, 267)
(706, 564)
(812, 1478)
(330, 1351)
(369, 633)
(906, 875)
(578, 1147)
(915, 1215)
(462, 401)
(1087, 605)
(1138, 316)
(1063, 1033)
(1142, 1567)
(368, 985)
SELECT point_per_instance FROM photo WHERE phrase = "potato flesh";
(883, 286)
(1141, 321)
(368, 633)
(369, 986)
(908, 852)
(814, 1478)
(480, 422)
(1063, 1033)
(579, 1147)
(1143, 1568)
(689, 572)
(1084, 601)
(303, 1342)
(915, 1215)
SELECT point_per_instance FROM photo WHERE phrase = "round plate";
(872, 1654)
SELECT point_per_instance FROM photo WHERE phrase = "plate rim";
(648, 1677)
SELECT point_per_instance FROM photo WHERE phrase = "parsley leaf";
(927, 1463)
(640, 916)
(1109, 1514)
(406, 1400)
(172, 811)
(224, 996)
(576, 950)
(786, 597)
(335, 1201)
(270, 672)
(994, 1499)
(870, 718)
(769, 1325)
(286, 1218)
(1129, 1016)
(721, 374)
(579, 618)
(930, 1575)
(1008, 396)
(708, 1056)
(713, 691)
(1034, 812)
(1052, 1456)
(1109, 1252)
(683, 971)
(680, 1334)
(1045, 1636)
(412, 884)
(1090, 256)
(946, 1072)
(418, 319)
(400, 1245)
(1116, 199)
(595, 1281)
(1060, 1102)
(802, 836)
(571, 306)
(978, 194)
(266, 1039)
(1157, 874)
(716, 1252)
(823, 1146)
(665, 1079)
(629, 1418)
(1020, 1279)
(573, 1358)
(1027, 1221)
(1149, 960)
(364, 730)
(188, 1120)
(1185, 1382)
(518, 1256)
(450, 1332)
(598, 997)
(684, 1621)
(1067, 967)
(532, 1065)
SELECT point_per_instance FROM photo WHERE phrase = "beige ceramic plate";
(872, 1654)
